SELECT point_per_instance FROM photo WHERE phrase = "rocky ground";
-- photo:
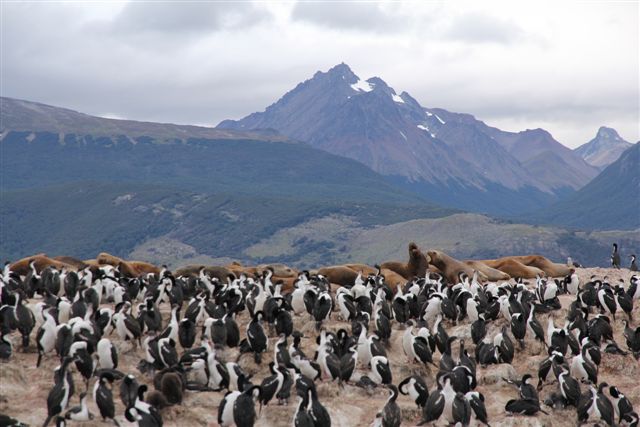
(24, 388)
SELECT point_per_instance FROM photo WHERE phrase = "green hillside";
(82, 219)
(611, 201)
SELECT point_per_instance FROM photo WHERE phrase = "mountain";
(611, 201)
(450, 158)
(464, 236)
(604, 149)
(191, 181)
(84, 218)
(202, 159)
(72, 184)
(545, 160)
(28, 116)
(168, 225)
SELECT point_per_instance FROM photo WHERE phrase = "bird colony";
(96, 346)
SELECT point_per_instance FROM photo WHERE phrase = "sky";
(565, 66)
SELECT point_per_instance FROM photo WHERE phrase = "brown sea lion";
(42, 261)
(107, 258)
(279, 270)
(492, 274)
(362, 268)
(345, 275)
(416, 267)
(126, 269)
(451, 267)
(75, 262)
(287, 283)
(550, 268)
(238, 269)
(514, 268)
(340, 275)
(143, 267)
(392, 279)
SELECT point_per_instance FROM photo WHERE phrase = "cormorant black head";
(394, 392)
(141, 391)
(107, 376)
(614, 392)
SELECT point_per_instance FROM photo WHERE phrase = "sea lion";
(107, 258)
(492, 274)
(550, 268)
(416, 267)
(287, 283)
(124, 267)
(514, 268)
(451, 267)
(392, 279)
(75, 262)
(279, 270)
(238, 269)
(42, 261)
(345, 275)
(143, 267)
(362, 268)
(127, 270)
(340, 275)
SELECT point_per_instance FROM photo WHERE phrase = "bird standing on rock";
(615, 257)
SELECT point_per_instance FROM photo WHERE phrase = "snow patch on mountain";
(362, 86)
(426, 129)
(396, 98)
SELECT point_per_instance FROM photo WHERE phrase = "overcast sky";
(568, 67)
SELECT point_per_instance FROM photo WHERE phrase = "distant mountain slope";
(63, 148)
(21, 115)
(610, 202)
(232, 166)
(170, 225)
(604, 149)
(546, 161)
(469, 164)
(84, 218)
(339, 240)
(216, 195)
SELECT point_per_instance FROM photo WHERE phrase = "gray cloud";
(352, 16)
(208, 63)
(186, 17)
(481, 28)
